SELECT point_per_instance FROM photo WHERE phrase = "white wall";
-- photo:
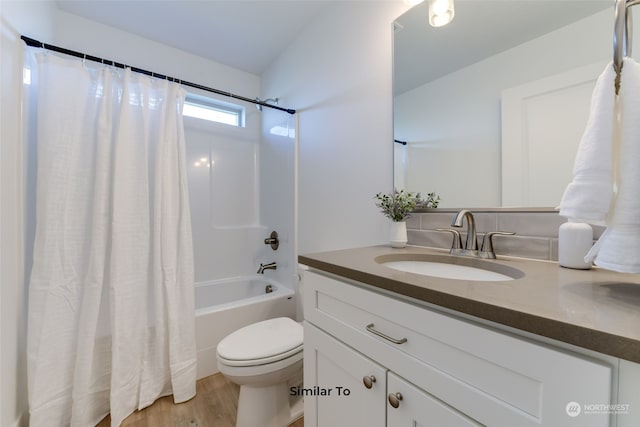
(12, 296)
(454, 122)
(16, 18)
(87, 36)
(337, 74)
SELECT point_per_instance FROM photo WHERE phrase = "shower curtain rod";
(35, 43)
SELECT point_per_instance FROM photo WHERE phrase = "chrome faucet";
(471, 246)
(269, 266)
(472, 240)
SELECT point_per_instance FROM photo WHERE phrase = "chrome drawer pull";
(386, 337)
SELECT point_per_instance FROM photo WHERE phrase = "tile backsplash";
(536, 230)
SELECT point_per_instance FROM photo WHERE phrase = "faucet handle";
(457, 240)
(487, 242)
(273, 240)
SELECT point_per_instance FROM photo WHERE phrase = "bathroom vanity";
(552, 347)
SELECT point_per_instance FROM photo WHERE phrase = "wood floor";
(215, 405)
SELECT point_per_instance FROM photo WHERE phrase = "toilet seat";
(262, 361)
(261, 343)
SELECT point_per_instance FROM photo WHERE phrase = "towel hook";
(620, 28)
(622, 36)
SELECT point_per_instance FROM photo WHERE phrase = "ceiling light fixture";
(441, 12)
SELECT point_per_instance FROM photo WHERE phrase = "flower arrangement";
(398, 205)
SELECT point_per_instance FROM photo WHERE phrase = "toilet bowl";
(265, 360)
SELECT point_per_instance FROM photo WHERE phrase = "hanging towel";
(588, 197)
(618, 248)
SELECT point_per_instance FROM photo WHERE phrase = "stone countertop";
(595, 309)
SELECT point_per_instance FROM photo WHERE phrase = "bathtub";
(225, 305)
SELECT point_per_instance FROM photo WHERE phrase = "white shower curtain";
(111, 313)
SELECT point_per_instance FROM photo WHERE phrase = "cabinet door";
(415, 407)
(334, 384)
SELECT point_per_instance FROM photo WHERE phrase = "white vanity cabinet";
(345, 388)
(448, 371)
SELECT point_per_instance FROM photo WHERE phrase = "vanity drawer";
(493, 377)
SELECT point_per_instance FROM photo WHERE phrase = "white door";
(343, 388)
(542, 124)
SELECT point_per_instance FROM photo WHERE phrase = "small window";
(213, 110)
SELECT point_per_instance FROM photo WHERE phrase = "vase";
(398, 237)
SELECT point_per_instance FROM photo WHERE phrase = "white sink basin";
(450, 267)
(447, 271)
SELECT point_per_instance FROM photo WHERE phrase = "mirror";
(492, 106)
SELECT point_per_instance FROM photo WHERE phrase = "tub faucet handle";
(273, 240)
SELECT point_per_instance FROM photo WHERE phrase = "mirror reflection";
(492, 106)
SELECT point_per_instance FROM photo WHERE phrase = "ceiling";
(480, 28)
(250, 34)
(244, 34)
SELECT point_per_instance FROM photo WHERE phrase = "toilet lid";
(262, 340)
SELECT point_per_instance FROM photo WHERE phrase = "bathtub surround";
(224, 196)
(536, 230)
(111, 287)
(277, 172)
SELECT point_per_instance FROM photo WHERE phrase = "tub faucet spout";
(269, 266)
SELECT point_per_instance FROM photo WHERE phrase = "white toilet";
(265, 360)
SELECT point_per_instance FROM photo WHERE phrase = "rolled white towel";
(588, 197)
(618, 248)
